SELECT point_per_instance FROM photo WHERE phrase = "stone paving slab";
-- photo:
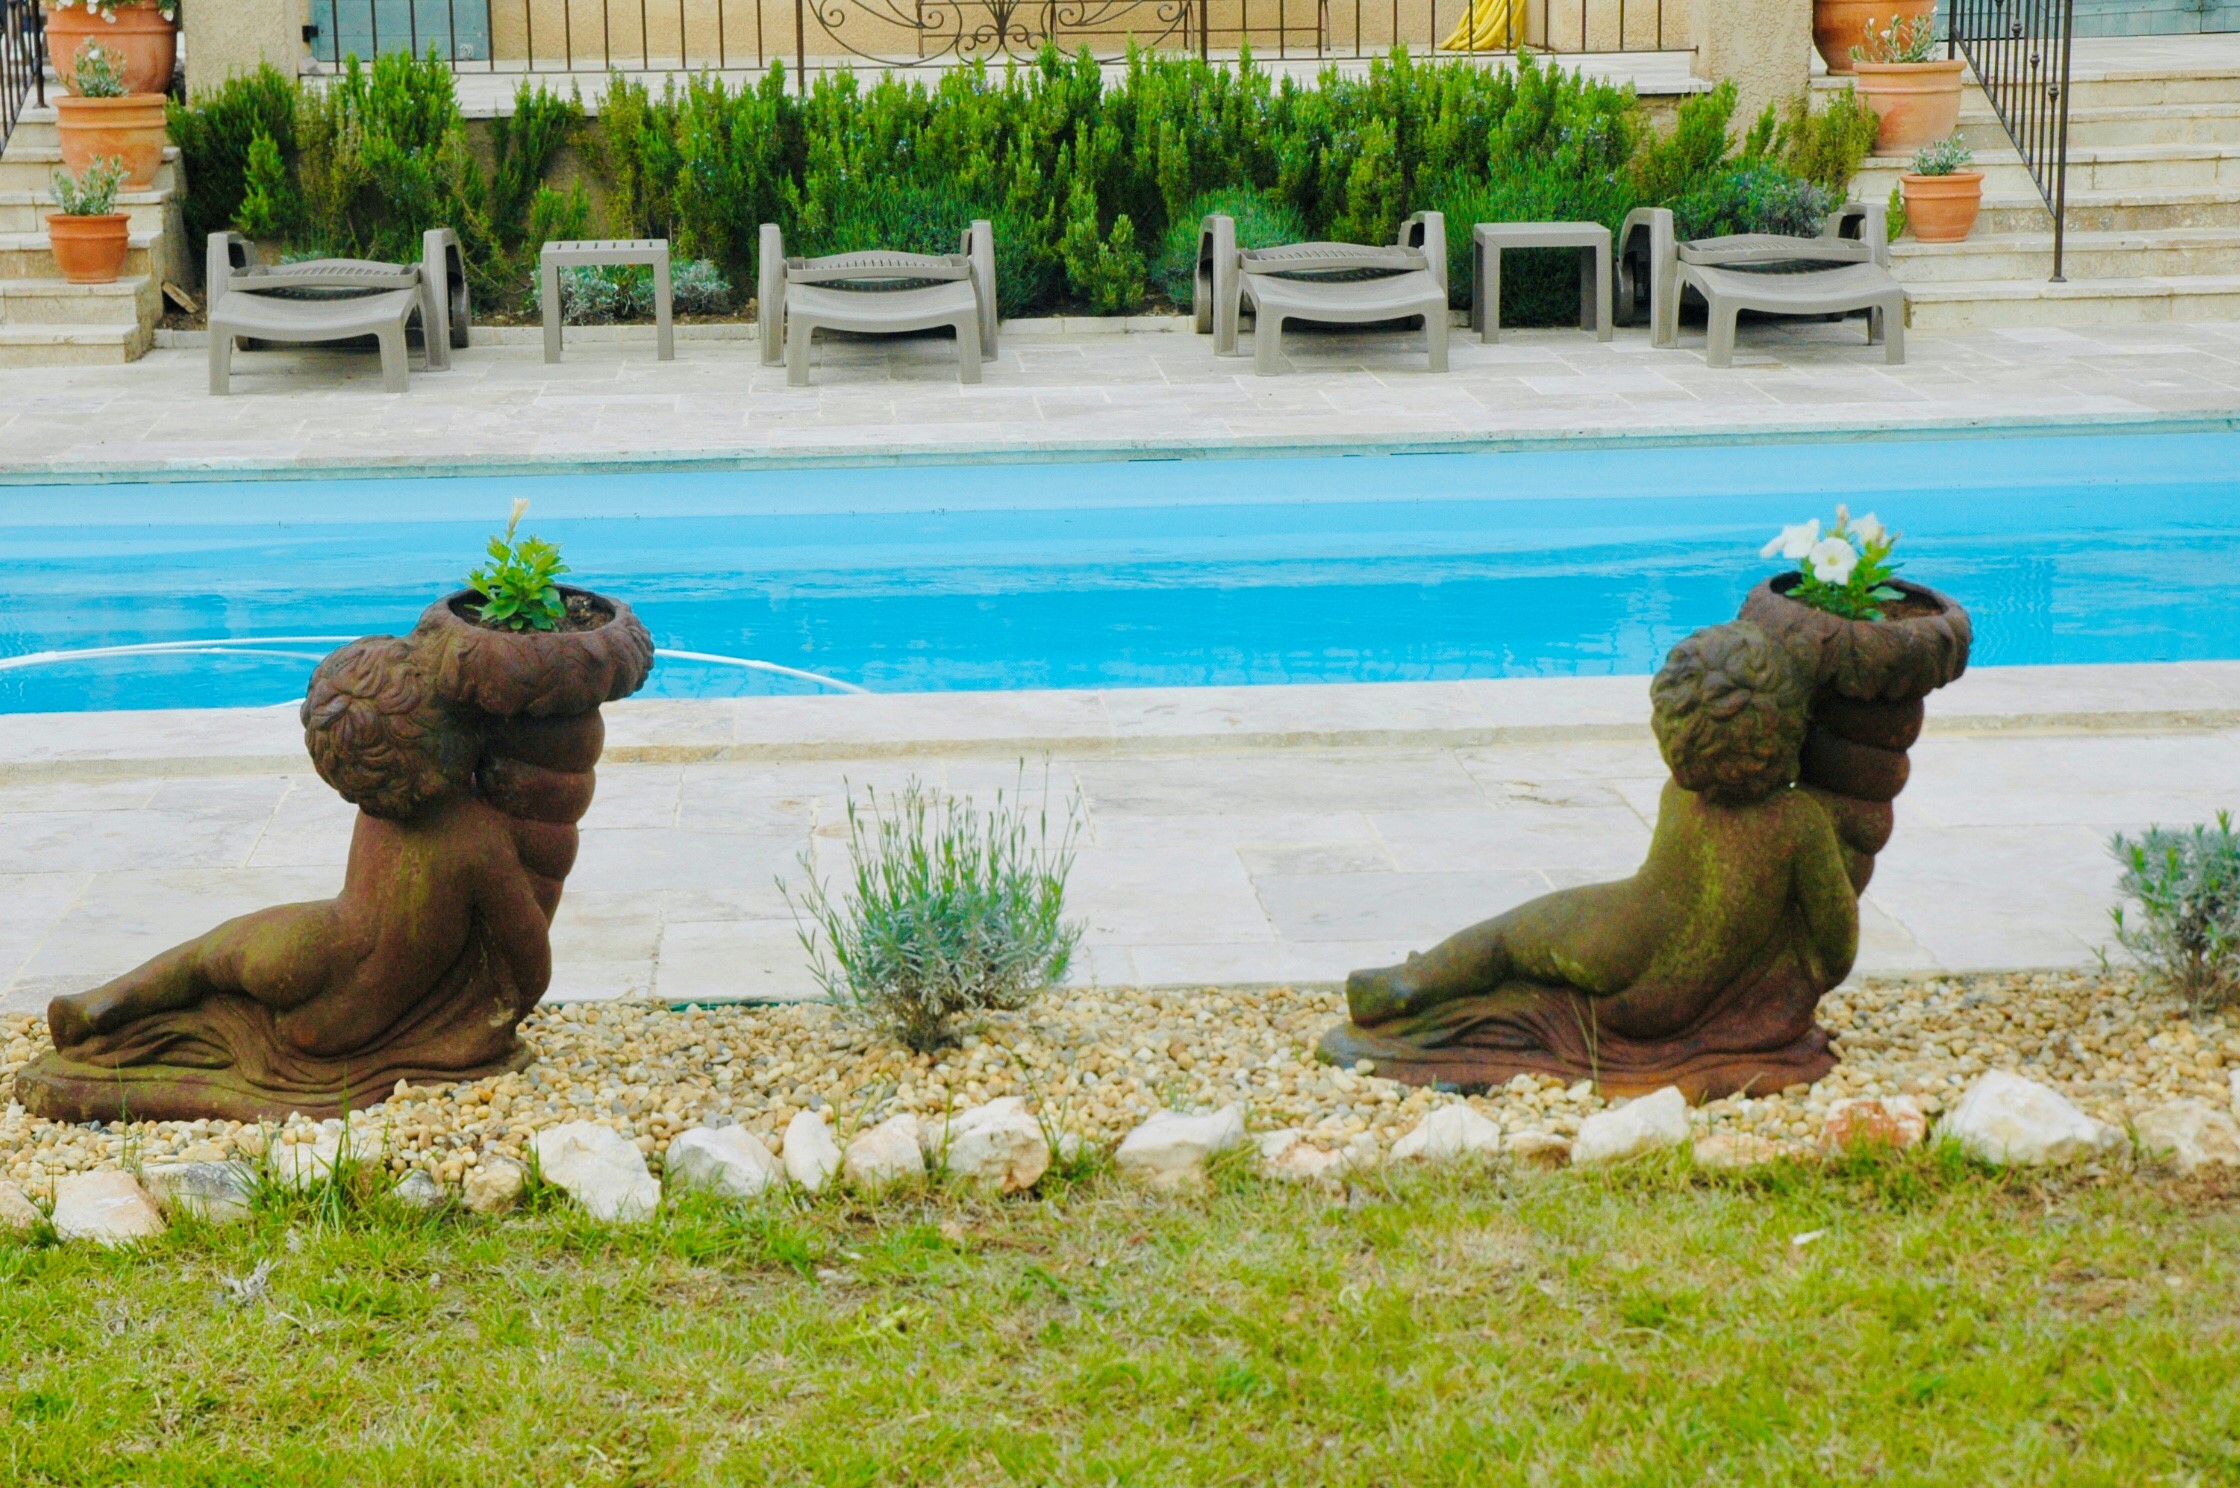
(502, 407)
(1230, 835)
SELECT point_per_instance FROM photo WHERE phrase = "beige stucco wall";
(220, 39)
(1764, 45)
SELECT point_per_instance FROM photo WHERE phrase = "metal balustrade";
(2019, 51)
(23, 63)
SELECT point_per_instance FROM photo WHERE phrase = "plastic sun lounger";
(1331, 283)
(1832, 291)
(337, 299)
(1649, 258)
(878, 292)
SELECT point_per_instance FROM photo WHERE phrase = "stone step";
(26, 211)
(73, 346)
(2114, 211)
(2143, 89)
(26, 255)
(2000, 303)
(32, 168)
(2136, 124)
(131, 301)
(2125, 168)
(2029, 255)
(34, 129)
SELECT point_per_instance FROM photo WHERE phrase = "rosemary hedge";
(1088, 182)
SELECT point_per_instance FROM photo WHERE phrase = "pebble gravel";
(1096, 1062)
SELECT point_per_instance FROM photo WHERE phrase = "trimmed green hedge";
(1092, 187)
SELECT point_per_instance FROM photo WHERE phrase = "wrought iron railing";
(2019, 50)
(23, 63)
(691, 35)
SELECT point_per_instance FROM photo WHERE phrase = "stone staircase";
(46, 321)
(2154, 211)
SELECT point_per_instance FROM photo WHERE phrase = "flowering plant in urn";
(1846, 570)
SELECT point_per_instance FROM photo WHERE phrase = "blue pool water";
(1141, 573)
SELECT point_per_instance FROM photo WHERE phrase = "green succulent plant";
(520, 585)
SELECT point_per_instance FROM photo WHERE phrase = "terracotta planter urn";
(469, 753)
(129, 129)
(139, 38)
(90, 250)
(1942, 209)
(1917, 101)
(1786, 733)
(1840, 25)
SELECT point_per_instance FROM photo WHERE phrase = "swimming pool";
(1137, 573)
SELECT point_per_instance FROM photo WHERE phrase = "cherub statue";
(1701, 970)
(438, 945)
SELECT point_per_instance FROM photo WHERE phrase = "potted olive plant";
(1942, 195)
(1914, 91)
(88, 236)
(102, 120)
(142, 34)
(1838, 26)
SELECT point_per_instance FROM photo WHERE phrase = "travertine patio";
(1061, 387)
(1232, 835)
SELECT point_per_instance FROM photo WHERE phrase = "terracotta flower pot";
(141, 40)
(130, 129)
(1840, 25)
(1942, 209)
(1918, 101)
(90, 250)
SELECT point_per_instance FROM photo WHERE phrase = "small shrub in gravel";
(2186, 931)
(950, 910)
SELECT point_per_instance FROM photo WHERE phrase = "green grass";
(1654, 1325)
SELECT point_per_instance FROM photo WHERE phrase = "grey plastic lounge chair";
(1331, 283)
(880, 293)
(1650, 256)
(336, 299)
(1831, 291)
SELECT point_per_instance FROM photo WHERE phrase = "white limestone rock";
(299, 1166)
(108, 1208)
(2006, 1119)
(1289, 1156)
(998, 1145)
(1449, 1133)
(493, 1185)
(17, 1213)
(214, 1191)
(1538, 1149)
(728, 1161)
(2191, 1134)
(1734, 1150)
(600, 1169)
(812, 1157)
(1171, 1150)
(1874, 1121)
(418, 1189)
(891, 1152)
(2234, 1080)
(1638, 1126)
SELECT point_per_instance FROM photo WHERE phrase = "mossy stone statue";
(1786, 733)
(469, 753)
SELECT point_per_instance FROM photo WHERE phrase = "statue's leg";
(1466, 963)
(272, 955)
(171, 981)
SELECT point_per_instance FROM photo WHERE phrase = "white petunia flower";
(1832, 560)
(1869, 530)
(1794, 542)
(520, 506)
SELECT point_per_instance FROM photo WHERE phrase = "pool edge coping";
(841, 456)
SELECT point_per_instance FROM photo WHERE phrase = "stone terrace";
(1058, 387)
(1232, 835)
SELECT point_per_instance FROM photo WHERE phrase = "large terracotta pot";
(1840, 25)
(130, 129)
(90, 250)
(1942, 209)
(1918, 101)
(139, 38)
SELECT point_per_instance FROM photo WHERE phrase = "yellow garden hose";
(1490, 26)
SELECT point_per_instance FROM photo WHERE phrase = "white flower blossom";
(1870, 530)
(1831, 560)
(1794, 542)
(520, 508)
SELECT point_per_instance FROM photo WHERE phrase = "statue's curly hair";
(1730, 712)
(377, 733)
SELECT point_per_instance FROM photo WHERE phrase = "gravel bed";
(1099, 1061)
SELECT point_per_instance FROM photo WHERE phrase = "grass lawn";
(1650, 1325)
